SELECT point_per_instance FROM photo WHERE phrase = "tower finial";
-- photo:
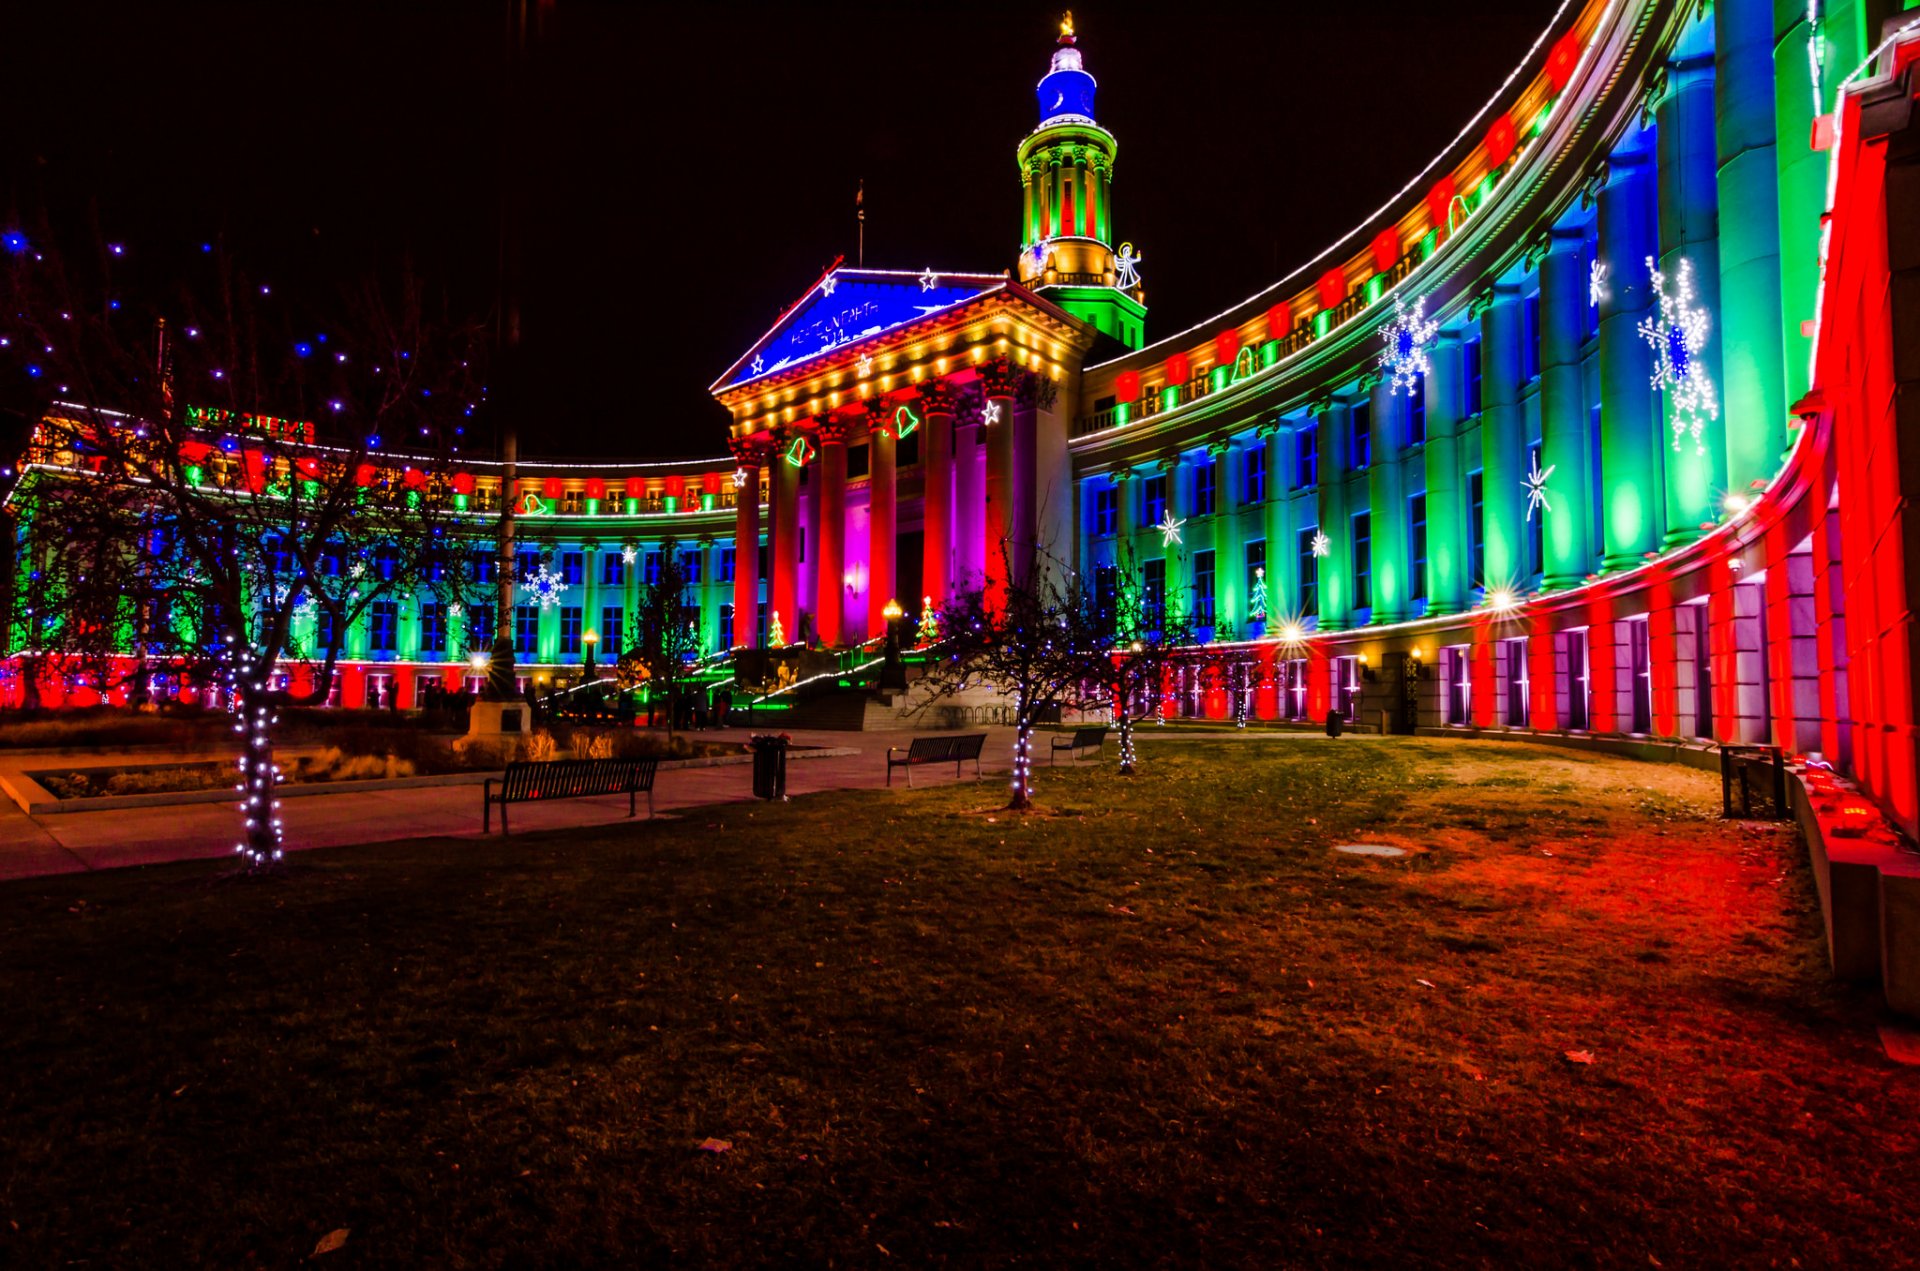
(1066, 27)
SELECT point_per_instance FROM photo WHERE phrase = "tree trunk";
(1126, 744)
(259, 801)
(1022, 763)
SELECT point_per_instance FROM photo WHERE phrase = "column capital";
(749, 452)
(1267, 427)
(832, 430)
(1000, 377)
(939, 397)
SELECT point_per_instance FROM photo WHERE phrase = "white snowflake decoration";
(1536, 484)
(357, 570)
(1407, 336)
(1597, 283)
(305, 607)
(455, 609)
(1127, 266)
(1322, 545)
(1169, 528)
(544, 585)
(928, 279)
(1676, 336)
(630, 554)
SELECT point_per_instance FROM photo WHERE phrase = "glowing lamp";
(553, 488)
(1439, 199)
(1279, 322)
(675, 485)
(308, 467)
(1734, 504)
(1293, 633)
(714, 482)
(596, 488)
(1226, 346)
(590, 637)
(1503, 599)
(1386, 250)
(1501, 141)
(364, 475)
(1332, 288)
(413, 478)
(1179, 369)
(1126, 387)
(1561, 61)
(463, 483)
(479, 661)
(892, 611)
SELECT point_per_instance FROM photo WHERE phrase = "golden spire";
(1066, 27)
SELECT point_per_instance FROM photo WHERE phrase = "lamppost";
(893, 672)
(591, 640)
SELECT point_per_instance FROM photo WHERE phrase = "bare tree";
(1035, 639)
(1143, 627)
(221, 482)
(661, 635)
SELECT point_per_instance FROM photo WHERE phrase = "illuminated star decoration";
(1322, 545)
(992, 414)
(455, 609)
(1597, 283)
(866, 365)
(630, 554)
(1127, 267)
(1677, 334)
(739, 478)
(928, 281)
(828, 283)
(1169, 528)
(544, 585)
(1536, 483)
(759, 364)
(1407, 337)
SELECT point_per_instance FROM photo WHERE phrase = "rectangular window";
(281, 558)
(1363, 560)
(570, 628)
(859, 461)
(1477, 528)
(1597, 488)
(1640, 660)
(526, 630)
(906, 453)
(479, 628)
(1536, 521)
(1309, 564)
(1702, 674)
(326, 634)
(1417, 547)
(1578, 680)
(1306, 471)
(690, 566)
(1153, 500)
(1470, 365)
(1362, 454)
(1417, 412)
(613, 569)
(573, 568)
(1203, 589)
(726, 565)
(613, 630)
(1204, 476)
(1518, 683)
(385, 564)
(1153, 594)
(1530, 337)
(1256, 472)
(330, 559)
(1256, 576)
(1346, 686)
(384, 627)
(485, 567)
(651, 576)
(433, 628)
(1454, 683)
(571, 502)
(1106, 510)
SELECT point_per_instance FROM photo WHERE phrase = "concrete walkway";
(75, 841)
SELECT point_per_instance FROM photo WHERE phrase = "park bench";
(1081, 739)
(956, 750)
(568, 779)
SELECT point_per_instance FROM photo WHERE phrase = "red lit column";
(936, 502)
(1481, 676)
(747, 454)
(1000, 380)
(882, 422)
(783, 510)
(1663, 672)
(1543, 704)
(1024, 478)
(829, 594)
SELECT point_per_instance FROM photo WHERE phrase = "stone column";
(746, 541)
(1001, 380)
(1630, 467)
(1387, 504)
(937, 399)
(1449, 565)
(882, 423)
(1568, 555)
(1696, 476)
(784, 549)
(1335, 568)
(969, 496)
(1503, 441)
(1230, 583)
(1024, 476)
(830, 501)
(1753, 393)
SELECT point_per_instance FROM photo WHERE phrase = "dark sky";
(693, 165)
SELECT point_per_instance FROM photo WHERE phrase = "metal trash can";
(769, 766)
(1753, 783)
(1335, 720)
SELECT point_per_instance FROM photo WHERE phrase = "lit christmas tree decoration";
(928, 632)
(1676, 335)
(1407, 336)
(1257, 598)
(776, 634)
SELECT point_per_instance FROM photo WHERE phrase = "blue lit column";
(1447, 564)
(1753, 392)
(1690, 232)
(1283, 567)
(1503, 441)
(1229, 570)
(1336, 567)
(1630, 466)
(1568, 555)
(1387, 503)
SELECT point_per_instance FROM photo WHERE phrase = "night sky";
(694, 166)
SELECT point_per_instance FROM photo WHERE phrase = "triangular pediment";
(848, 305)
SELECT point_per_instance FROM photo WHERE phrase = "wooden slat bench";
(922, 750)
(568, 779)
(1080, 739)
